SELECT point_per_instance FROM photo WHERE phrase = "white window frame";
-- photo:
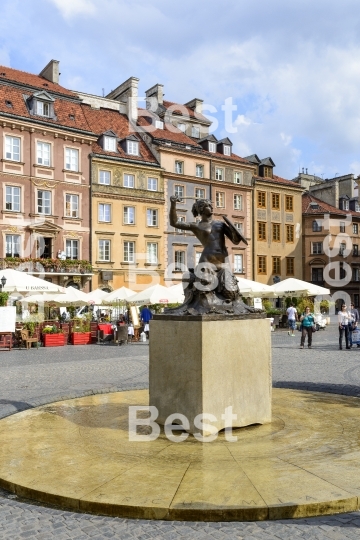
(13, 198)
(238, 201)
(152, 184)
(109, 143)
(17, 243)
(129, 215)
(72, 205)
(199, 169)
(316, 252)
(43, 153)
(12, 148)
(42, 108)
(152, 217)
(238, 268)
(159, 124)
(182, 127)
(71, 159)
(180, 259)
(104, 250)
(176, 191)
(355, 228)
(72, 245)
(181, 219)
(238, 177)
(220, 197)
(219, 174)
(179, 167)
(44, 202)
(104, 177)
(152, 252)
(132, 148)
(227, 150)
(212, 147)
(129, 251)
(239, 226)
(129, 180)
(195, 131)
(200, 195)
(104, 213)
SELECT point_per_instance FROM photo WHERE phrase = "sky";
(289, 70)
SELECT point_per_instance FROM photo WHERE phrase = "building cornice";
(126, 160)
(48, 125)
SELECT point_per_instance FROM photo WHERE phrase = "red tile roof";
(63, 109)
(29, 79)
(323, 207)
(172, 135)
(101, 120)
(180, 110)
(278, 180)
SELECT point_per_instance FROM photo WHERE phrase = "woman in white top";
(344, 317)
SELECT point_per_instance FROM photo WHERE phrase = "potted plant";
(81, 334)
(53, 337)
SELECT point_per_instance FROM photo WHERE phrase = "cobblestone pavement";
(30, 378)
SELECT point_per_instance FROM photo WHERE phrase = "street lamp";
(3, 283)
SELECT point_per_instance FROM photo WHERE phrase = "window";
(104, 177)
(129, 252)
(237, 202)
(199, 171)
(355, 228)
(289, 203)
(212, 147)
(133, 148)
(105, 212)
(42, 109)
(72, 249)
(13, 245)
(43, 153)
(357, 207)
(71, 159)
(195, 131)
(152, 217)
(317, 274)
(182, 127)
(129, 180)
(276, 232)
(276, 265)
(355, 250)
(152, 184)
(104, 250)
(110, 144)
(179, 191)
(182, 220)
(356, 300)
(72, 206)
(220, 199)
(275, 201)
(197, 257)
(342, 226)
(179, 167)
(238, 178)
(13, 198)
(179, 261)
(238, 264)
(151, 253)
(356, 274)
(289, 233)
(261, 199)
(219, 174)
(290, 266)
(317, 248)
(261, 264)
(238, 226)
(159, 124)
(44, 202)
(12, 148)
(345, 205)
(316, 227)
(227, 150)
(342, 248)
(268, 172)
(129, 215)
(200, 193)
(261, 230)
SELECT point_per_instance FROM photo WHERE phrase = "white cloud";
(241, 120)
(72, 8)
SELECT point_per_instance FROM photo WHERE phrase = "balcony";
(47, 266)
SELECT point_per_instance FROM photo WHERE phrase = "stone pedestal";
(200, 365)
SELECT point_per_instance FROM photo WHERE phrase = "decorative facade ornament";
(44, 183)
(12, 228)
(73, 234)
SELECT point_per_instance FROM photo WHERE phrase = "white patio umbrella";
(26, 283)
(72, 296)
(297, 287)
(178, 292)
(157, 294)
(119, 294)
(254, 288)
(96, 296)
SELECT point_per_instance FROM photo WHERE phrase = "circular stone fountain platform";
(76, 454)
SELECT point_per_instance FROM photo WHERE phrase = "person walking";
(307, 320)
(292, 318)
(146, 317)
(353, 323)
(344, 318)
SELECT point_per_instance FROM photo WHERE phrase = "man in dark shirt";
(146, 317)
(354, 322)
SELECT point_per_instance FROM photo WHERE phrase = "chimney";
(127, 92)
(154, 97)
(303, 170)
(51, 71)
(306, 170)
(195, 104)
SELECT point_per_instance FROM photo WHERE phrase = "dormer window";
(42, 108)
(345, 204)
(195, 131)
(182, 127)
(159, 124)
(110, 144)
(227, 150)
(212, 147)
(133, 148)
